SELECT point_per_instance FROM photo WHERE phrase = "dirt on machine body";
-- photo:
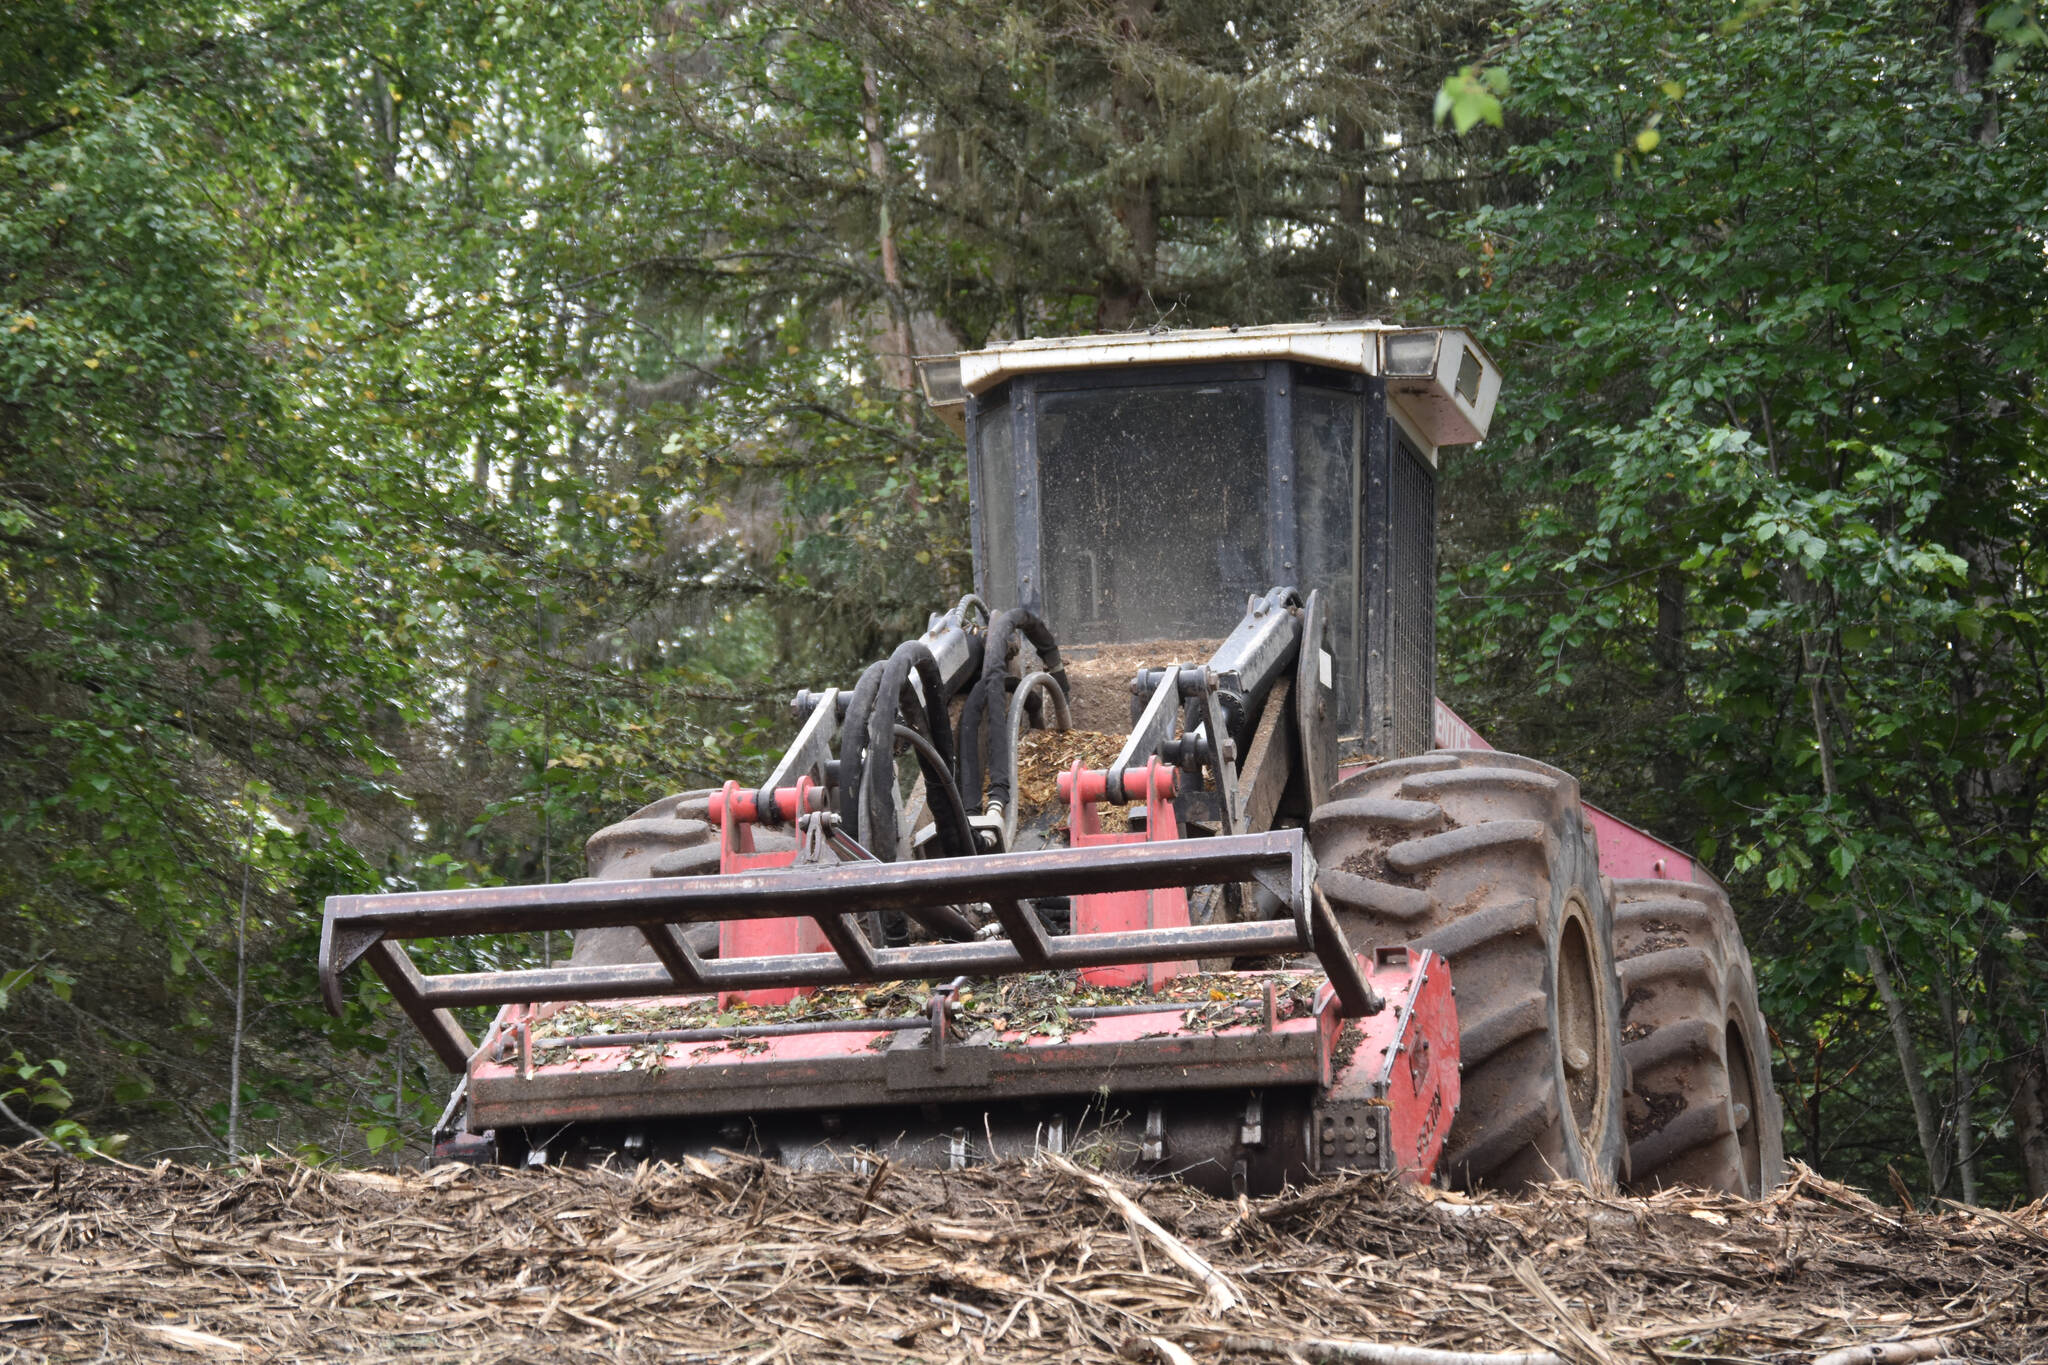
(1133, 852)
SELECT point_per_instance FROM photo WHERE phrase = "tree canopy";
(1771, 546)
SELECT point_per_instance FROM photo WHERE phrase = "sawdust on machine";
(1099, 677)
(1032, 1002)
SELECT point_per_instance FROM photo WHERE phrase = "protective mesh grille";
(1412, 568)
(1153, 512)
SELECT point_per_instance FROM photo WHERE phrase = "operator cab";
(1143, 486)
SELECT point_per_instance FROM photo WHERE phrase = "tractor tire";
(1485, 858)
(1701, 1109)
(671, 838)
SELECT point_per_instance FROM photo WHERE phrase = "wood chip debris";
(281, 1262)
(1027, 1004)
(1042, 755)
(1099, 677)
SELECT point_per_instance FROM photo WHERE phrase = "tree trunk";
(2030, 1115)
(1351, 289)
(1961, 1087)
(1126, 284)
(474, 756)
(1798, 590)
(896, 363)
(1925, 1124)
(1667, 651)
(384, 122)
(242, 960)
(1973, 52)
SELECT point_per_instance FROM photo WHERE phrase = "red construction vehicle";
(1228, 954)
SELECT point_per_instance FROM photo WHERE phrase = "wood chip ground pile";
(1051, 1261)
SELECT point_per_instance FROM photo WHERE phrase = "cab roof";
(1442, 381)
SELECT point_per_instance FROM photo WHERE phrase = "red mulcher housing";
(735, 981)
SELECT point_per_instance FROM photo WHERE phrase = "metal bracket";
(1154, 727)
(1153, 1147)
(1350, 1135)
(806, 756)
(1222, 761)
(341, 947)
(912, 1062)
(1315, 703)
(819, 844)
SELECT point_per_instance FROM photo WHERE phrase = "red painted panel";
(1163, 908)
(1625, 851)
(1449, 730)
(1404, 1059)
(1422, 1083)
(759, 937)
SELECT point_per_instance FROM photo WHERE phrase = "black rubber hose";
(939, 783)
(1002, 767)
(895, 697)
(943, 921)
(981, 729)
(975, 733)
(977, 650)
(853, 737)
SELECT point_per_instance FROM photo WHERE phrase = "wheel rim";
(1581, 1030)
(1742, 1106)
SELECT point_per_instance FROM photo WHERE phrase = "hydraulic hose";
(895, 697)
(853, 738)
(981, 721)
(1062, 719)
(939, 783)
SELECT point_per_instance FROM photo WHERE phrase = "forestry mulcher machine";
(1302, 922)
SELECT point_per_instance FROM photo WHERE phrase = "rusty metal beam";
(367, 926)
(924, 961)
(820, 890)
(450, 1043)
(1171, 1063)
(1355, 994)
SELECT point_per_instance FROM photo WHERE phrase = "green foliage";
(1056, 168)
(1472, 97)
(1769, 551)
(287, 448)
(40, 1086)
(2016, 24)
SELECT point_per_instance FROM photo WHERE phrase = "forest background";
(431, 428)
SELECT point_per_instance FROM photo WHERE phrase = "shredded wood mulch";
(1099, 677)
(1042, 755)
(753, 1263)
(1025, 1003)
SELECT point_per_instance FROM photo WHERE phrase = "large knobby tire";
(1701, 1107)
(671, 838)
(1485, 858)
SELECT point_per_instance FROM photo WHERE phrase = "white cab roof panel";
(1445, 390)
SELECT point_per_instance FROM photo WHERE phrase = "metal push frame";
(374, 928)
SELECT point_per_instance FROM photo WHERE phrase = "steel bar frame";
(356, 927)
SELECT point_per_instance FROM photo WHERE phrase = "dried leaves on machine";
(1035, 1004)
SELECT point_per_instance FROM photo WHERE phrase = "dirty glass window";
(1153, 509)
(1326, 473)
